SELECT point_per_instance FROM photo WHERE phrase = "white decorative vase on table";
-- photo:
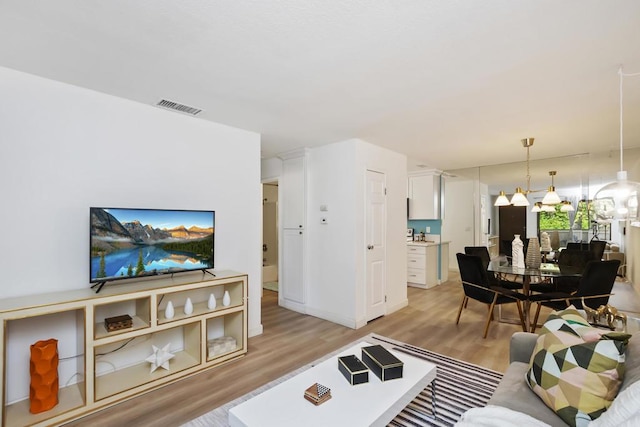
(517, 252)
(211, 303)
(226, 299)
(188, 307)
(169, 311)
(533, 253)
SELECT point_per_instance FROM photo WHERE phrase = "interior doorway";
(270, 245)
(512, 220)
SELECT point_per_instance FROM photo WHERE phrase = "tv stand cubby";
(99, 368)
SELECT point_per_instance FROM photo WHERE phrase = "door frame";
(264, 181)
(384, 254)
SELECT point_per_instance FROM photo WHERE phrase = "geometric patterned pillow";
(569, 320)
(576, 379)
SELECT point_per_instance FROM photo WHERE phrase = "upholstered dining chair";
(569, 257)
(594, 289)
(597, 248)
(483, 253)
(577, 246)
(475, 283)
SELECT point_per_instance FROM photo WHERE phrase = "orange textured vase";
(43, 390)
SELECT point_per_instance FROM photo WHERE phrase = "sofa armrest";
(521, 347)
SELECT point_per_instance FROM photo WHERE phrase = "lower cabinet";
(422, 266)
(101, 365)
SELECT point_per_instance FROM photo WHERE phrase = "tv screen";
(127, 243)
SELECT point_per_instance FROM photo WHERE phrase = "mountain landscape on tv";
(122, 249)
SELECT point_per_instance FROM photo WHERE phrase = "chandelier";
(519, 198)
(619, 199)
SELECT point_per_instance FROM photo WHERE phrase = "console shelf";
(101, 367)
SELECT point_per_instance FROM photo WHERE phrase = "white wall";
(633, 256)
(336, 250)
(332, 247)
(64, 149)
(270, 169)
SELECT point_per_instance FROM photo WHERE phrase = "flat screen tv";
(127, 243)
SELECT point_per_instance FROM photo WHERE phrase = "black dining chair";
(483, 253)
(578, 246)
(594, 289)
(568, 257)
(597, 248)
(475, 283)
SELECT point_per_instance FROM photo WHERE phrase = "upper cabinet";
(426, 193)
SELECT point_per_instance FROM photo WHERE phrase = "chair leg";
(464, 303)
(535, 319)
(521, 313)
(493, 304)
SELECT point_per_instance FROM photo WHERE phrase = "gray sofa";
(514, 393)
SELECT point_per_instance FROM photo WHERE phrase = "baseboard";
(332, 317)
(255, 331)
(290, 305)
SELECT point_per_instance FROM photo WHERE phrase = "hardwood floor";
(291, 340)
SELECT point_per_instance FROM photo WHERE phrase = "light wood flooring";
(291, 340)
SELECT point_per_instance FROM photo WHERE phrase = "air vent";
(175, 106)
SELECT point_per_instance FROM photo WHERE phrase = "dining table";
(545, 272)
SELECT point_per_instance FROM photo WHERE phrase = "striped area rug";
(459, 386)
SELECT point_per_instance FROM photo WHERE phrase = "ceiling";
(450, 83)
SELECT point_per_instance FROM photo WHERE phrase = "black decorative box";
(118, 322)
(384, 364)
(353, 369)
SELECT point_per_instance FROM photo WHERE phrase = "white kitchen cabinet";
(425, 195)
(422, 265)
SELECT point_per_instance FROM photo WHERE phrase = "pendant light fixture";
(502, 200)
(619, 199)
(551, 198)
(567, 206)
(519, 198)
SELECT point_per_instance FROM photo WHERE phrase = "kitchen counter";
(426, 244)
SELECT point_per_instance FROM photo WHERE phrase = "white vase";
(188, 307)
(226, 299)
(212, 302)
(517, 252)
(168, 311)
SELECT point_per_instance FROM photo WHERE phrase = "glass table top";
(545, 270)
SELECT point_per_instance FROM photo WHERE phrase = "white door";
(375, 241)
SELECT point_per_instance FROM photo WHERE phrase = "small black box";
(353, 369)
(384, 364)
(118, 322)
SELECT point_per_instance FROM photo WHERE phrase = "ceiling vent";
(175, 106)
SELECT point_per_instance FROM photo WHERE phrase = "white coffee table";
(374, 403)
